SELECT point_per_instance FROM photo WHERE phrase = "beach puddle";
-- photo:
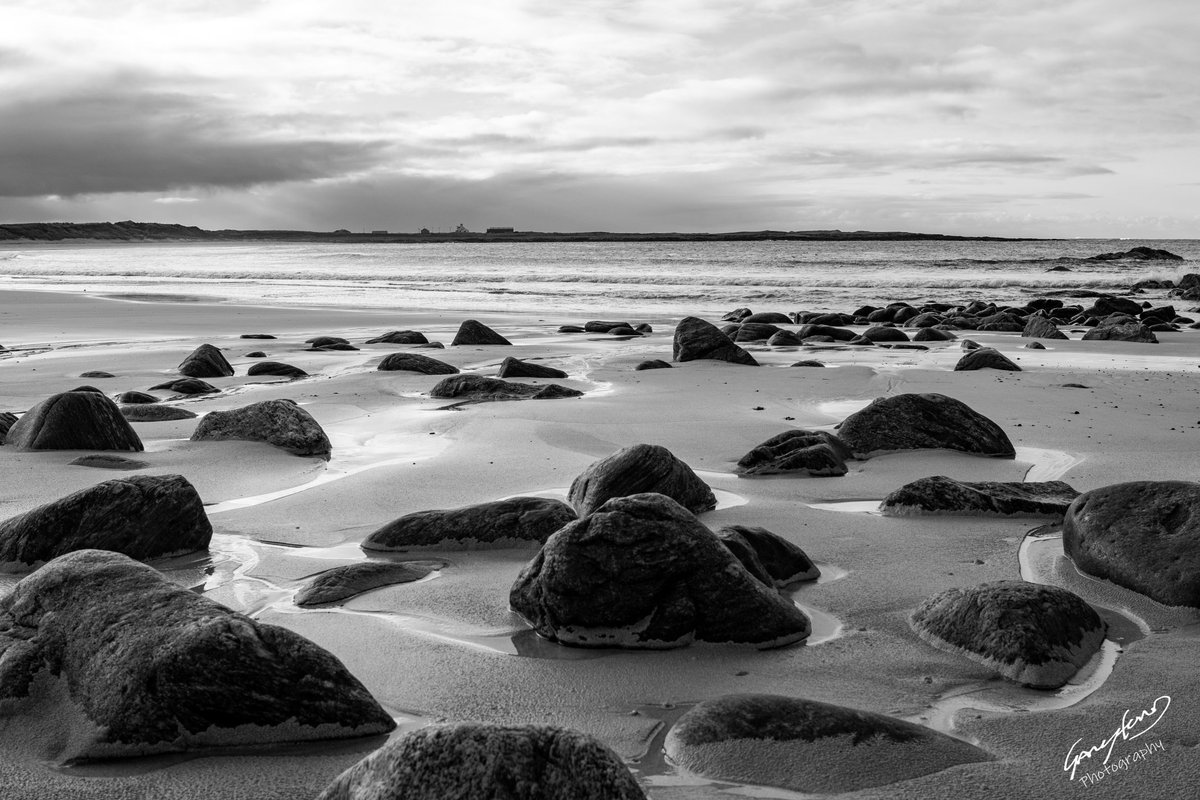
(1045, 465)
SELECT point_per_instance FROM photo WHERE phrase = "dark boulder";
(602, 326)
(7, 420)
(400, 337)
(941, 495)
(1107, 304)
(107, 461)
(336, 346)
(571, 329)
(415, 362)
(1034, 346)
(1138, 254)
(186, 386)
(152, 667)
(477, 387)
(882, 333)
(342, 583)
(257, 336)
(318, 342)
(834, 333)
(142, 516)
(1035, 635)
(276, 368)
(74, 421)
(985, 358)
(933, 335)
(473, 332)
(96, 373)
(132, 397)
(1126, 332)
(1143, 535)
(815, 453)
(513, 522)
(516, 368)
(806, 746)
(637, 469)
(654, 363)
(205, 361)
(643, 572)
(488, 762)
(785, 338)
(755, 332)
(281, 423)
(737, 315)
(87, 388)
(155, 413)
(769, 557)
(696, 339)
(1042, 328)
(256, 354)
(922, 422)
(806, 363)
(768, 318)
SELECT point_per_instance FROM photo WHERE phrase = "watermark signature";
(1132, 726)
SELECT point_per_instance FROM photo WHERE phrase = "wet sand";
(448, 648)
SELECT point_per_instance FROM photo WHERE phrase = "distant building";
(500, 230)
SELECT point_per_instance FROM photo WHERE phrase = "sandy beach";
(448, 648)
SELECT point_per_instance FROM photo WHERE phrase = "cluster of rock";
(941, 495)
(621, 329)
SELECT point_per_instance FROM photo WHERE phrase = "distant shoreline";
(160, 232)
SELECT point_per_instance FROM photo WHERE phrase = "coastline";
(449, 648)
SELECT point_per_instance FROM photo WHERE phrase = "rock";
(105, 461)
(1034, 346)
(970, 344)
(637, 469)
(941, 495)
(335, 346)
(342, 583)
(281, 423)
(806, 746)
(513, 522)
(257, 336)
(87, 389)
(1127, 332)
(400, 337)
(477, 387)
(7, 420)
(624, 330)
(768, 318)
(415, 362)
(1143, 535)
(755, 332)
(601, 326)
(922, 422)
(643, 572)
(276, 368)
(654, 363)
(1035, 635)
(933, 335)
(1107, 304)
(571, 329)
(96, 373)
(155, 413)
(515, 368)
(1138, 254)
(882, 333)
(144, 666)
(256, 354)
(1041, 328)
(488, 762)
(142, 516)
(472, 332)
(809, 331)
(814, 453)
(985, 358)
(74, 421)
(806, 363)
(737, 315)
(768, 556)
(696, 339)
(784, 338)
(186, 386)
(205, 361)
(132, 398)
(318, 342)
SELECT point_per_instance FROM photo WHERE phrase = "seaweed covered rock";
(815, 453)
(516, 368)
(415, 362)
(488, 762)
(475, 332)
(1035, 635)
(276, 369)
(478, 387)
(1143, 535)
(350, 580)
(74, 421)
(145, 666)
(206, 361)
(142, 516)
(697, 339)
(636, 469)
(768, 556)
(985, 358)
(941, 495)
(516, 521)
(643, 572)
(922, 422)
(807, 746)
(281, 423)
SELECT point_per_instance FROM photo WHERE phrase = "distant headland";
(129, 231)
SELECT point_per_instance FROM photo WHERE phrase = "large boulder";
(350, 580)
(883, 333)
(1039, 327)
(643, 572)
(134, 397)
(186, 386)
(806, 746)
(697, 339)
(768, 556)
(276, 369)
(281, 423)
(415, 362)
(475, 332)
(206, 361)
(1035, 635)
(74, 421)
(478, 387)
(516, 368)
(145, 666)
(985, 358)
(155, 413)
(400, 337)
(1122, 332)
(636, 469)
(1138, 254)
(516, 521)
(800, 452)
(946, 496)
(142, 516)
(1143, 535)
(488, 762)
(922, 422)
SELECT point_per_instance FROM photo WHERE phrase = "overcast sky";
(996, 117)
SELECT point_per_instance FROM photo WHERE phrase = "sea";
(637, 280)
